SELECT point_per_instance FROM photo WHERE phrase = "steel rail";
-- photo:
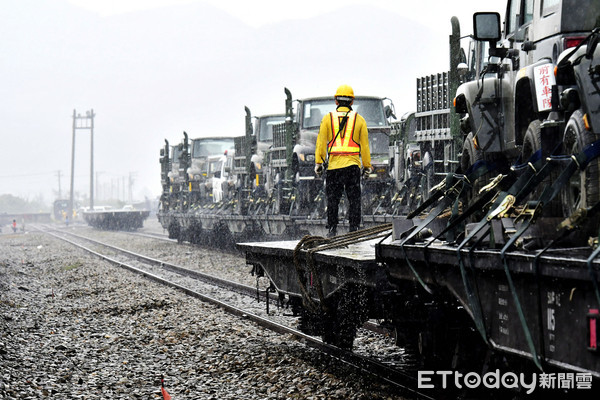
(208, 278)
(402, 381)
(157, 236)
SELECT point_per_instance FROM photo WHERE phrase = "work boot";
(332, 232)
(353, 229)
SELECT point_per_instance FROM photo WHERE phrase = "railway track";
(152, 235)
(240, 300)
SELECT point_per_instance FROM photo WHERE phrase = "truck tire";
(583, 190)
(470, 155)
(532, 142)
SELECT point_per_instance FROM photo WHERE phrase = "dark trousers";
(340, 180)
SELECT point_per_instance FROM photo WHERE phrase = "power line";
(26, 175)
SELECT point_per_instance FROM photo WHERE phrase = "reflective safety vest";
(344, 144)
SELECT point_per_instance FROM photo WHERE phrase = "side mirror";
(162, 152)
(486, 26)
(389, 112)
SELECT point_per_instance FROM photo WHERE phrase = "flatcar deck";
(354, 254)
(334, 268)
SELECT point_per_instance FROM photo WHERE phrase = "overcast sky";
(151, 69)
(433, 13)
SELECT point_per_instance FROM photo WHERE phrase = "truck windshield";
(265, 128)
(215, 165)
(379, 142)
(175, 155)
(315, 110)
(210, 147)
(477, 58)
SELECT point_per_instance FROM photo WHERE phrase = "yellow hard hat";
(344, 91)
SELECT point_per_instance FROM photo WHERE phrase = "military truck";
(177, 176)
(165, 168)
(426, 145)
(198, 172)
(174, 161)
(517, 108)
(296, 188)
(405, 165)
(249, 161)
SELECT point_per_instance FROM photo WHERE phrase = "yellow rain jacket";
(352, 143)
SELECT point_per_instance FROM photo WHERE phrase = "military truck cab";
(308, 117)
(198, 172)
(506, 107)
(221, 179)
(263, 132)
(310, 113)
(176, 174)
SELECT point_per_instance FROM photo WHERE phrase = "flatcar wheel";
(405, 336)
(221, 236)
(332, 326)
(339, 332)
(349, 313)
(310, 323)
(195, 233)
(174, 230)
(332, 329)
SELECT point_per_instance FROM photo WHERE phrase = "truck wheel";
(583, 190)
(532, 142)
(470, 155)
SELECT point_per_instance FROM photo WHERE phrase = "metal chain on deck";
(312, 244)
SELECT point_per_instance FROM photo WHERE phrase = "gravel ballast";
(75, 327)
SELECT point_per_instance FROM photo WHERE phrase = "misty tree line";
(13, 205)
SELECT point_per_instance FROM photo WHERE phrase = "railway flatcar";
(489, 272)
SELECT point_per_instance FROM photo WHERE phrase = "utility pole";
(59, 191)
(98, 185)
(130, 189)
(82, 122)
